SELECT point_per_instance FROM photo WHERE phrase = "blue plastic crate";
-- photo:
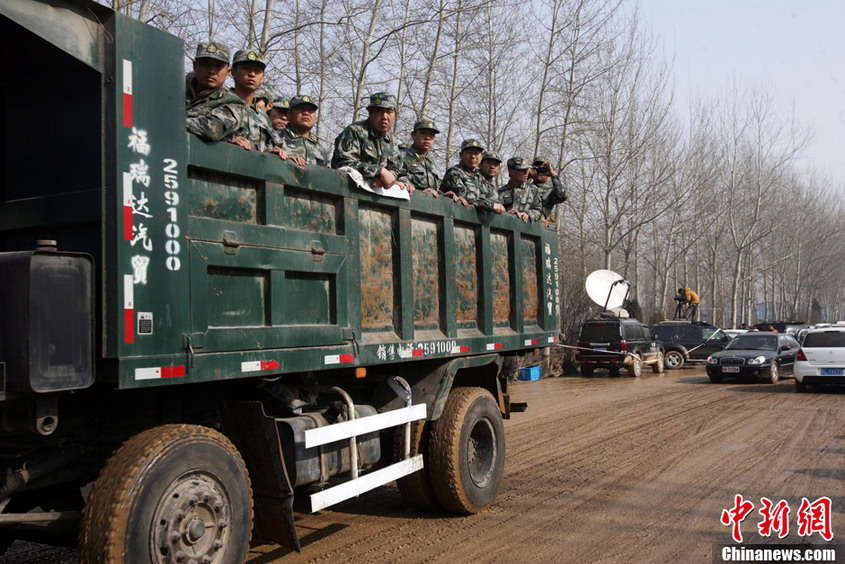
(530, 373)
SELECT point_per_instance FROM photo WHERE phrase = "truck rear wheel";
(416, 488)
(467, 451)
(169, 494)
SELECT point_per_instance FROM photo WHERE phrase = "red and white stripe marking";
(127, 93)
(128, 308)
(156, 372)
(494, 346)
(460, 349)
(553, 339)
(259, 365)
(339, 358)
(410, 353)
(128, 207)
(529, 342)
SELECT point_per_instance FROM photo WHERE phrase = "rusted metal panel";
(466, 277)
(530, 303)
(311, 211)
(426, 270)
(237, 297)
(378, 300)
(500, 255)
(226, 197)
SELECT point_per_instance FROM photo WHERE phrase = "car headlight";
(757, 360)
(711, 360)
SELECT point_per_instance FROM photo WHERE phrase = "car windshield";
(828, 339)
(754, 342)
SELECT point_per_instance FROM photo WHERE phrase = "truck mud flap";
(257, 438)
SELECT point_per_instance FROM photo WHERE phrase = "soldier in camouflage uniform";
(211, 69)
(236, 121)
(264, 99)
(491, 165)
(418, 166)
(464, 184)
(279, 113)
(551, 188)
(370, 148)
(520, 197)
(297, 138)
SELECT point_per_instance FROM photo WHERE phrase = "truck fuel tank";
(316, 464)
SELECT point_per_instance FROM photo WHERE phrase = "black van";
(612, 343)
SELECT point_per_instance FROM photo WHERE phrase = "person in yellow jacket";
(690, 299)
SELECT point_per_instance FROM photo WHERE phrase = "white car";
(821, 359)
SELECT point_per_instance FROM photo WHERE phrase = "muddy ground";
(607, 470)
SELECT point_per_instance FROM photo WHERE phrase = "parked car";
(613, 343)
(788, 327)
(763, 354)
(821, 359)
(689, 341)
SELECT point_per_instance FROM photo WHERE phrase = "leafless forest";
(715, 198)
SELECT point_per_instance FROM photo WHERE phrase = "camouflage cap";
(300, 99)
(281, 103)
(212, 50)
(472, 144)
(248, 56)
(265, 92)
(491, 156)
(540, 160)
(518, 163)
(382, 100)
(426, 124)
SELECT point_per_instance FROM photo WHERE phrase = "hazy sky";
(799, 47)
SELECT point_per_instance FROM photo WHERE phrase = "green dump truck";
(195, 338)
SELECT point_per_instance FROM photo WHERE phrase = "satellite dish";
(607, 289)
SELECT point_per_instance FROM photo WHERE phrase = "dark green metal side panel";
(146, 215)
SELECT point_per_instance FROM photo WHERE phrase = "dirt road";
(612, 470)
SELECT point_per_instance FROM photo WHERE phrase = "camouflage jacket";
(419, 169)
(309, 148)
(552, 192)
(469, 185)
(195, 98)
(226, 116)
(360, 147)
(525, 197)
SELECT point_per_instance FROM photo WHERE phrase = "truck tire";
(467, 451)
(169, 493)
(416, 488)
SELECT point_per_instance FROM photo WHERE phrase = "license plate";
(831, 372)
(603, 349)
(730, 369)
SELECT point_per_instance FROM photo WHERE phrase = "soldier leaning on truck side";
(491, 165)
(369, 147)
(237, 122)
(464, 184)
(297, 138)
(520, 197)
(551, 188)
(419, 167)
(263, 99)
(279, 113)
(205, 86)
